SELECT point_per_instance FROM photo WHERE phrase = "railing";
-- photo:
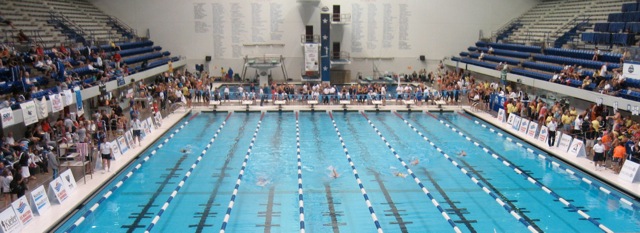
(343, 18)
(569, 30)
(304, 38)
(571, 24)
(84, 35)
(126, 28)
(342, 55)
(503, 28)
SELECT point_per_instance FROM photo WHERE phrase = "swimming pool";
(246, 173)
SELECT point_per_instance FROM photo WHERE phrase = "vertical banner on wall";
(9, 221)
(311, 57)
(67, 97)
(7, 117)
(56, 102)
(79, 103)
(40, 200)
(524, 125)
(43, 111)
(29, 113)
(325, 42)
(496, 102)
(23, 210)
(533, 127)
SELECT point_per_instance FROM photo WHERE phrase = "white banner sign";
(23, 210)
(630, 70)
(577, 148)
(7, 117)
(629, 171)
(56, 103)
(68, 97)
(122, 143)
(68, 180)
(40, 200)
(533, 127)
(41, 106)
(524, 125)
(565, 142)
(501, 115)
(544, 133)
(116, 151)
(29, 112)
(311, 57)
(516, 122)
(149, 125)
(59, 190)
(9, 221)
(129, 137)
(511, 118)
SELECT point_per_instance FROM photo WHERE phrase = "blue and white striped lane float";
(300, 193)
(355, 173)
(567, 169)
(504, 206)
(186, 176)
(114, 188)
(227, 215)
(415, 178)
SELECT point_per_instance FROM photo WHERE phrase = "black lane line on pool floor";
(332, 211)
(269, 213)
(394, 210)
(557, 198)
(454, 209)
(145, 210)
(207, 206)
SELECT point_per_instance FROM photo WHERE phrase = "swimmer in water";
(462, 153)
(334, 174)
(415, 161)
(262, 182)
(186, 150)
(399, 174)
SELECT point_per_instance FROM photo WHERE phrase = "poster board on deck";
(22, 209)
(39, 200)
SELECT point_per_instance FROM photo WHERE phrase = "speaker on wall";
(422, 58)
(207, 58)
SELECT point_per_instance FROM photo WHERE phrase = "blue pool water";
(267, 198)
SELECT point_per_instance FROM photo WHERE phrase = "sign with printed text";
(79, 105)
(9, 221)
(29, 113)
(524, 125)
(59, 190)
(7, 117)
(56, 103)
(577, 148)
(501, 115)
(631, 70)
(629, 171)
(116, 151)
(122, 143)
(311, 57)
(533, 127)
(565, 141)
(40, 200)
(68, 180)
(129, 137)
(544, 133)
(43, 111)
(23, 210)
(516, 122)
(511, 118)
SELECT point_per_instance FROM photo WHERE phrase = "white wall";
(436, 28)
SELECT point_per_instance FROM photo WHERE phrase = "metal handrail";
(77, 28)
(123, 25)
(571, 24)
(504, 27)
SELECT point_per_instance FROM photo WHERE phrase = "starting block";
(345, 103)
(408, 103)
(215, 104)
(312, 102)
(280, 103)
(376, 103)
(440, 103)
(247, 103)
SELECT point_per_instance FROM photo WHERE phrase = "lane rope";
(186, 176)
(506, 207)
(544, 155)
(424, 189)
(239, 180)
(127, 176)
(300, 193)
(532, 180)
(355, 173)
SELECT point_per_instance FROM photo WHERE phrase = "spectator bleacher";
(621, 28)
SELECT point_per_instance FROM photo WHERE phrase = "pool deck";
(584, 164)
(45, 222)
(83, 191)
